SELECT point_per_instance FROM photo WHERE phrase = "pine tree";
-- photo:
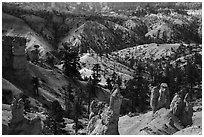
(191, 76)
(132, 94)
(109, 85)
(54, 123)
(93, 82)
(96, 74)
(71, 64)
(114, 78)
(77, 108)
(141, 87)
(119, 81)
(91, 90)
(76, 112)
(26, 101)
(68, 98)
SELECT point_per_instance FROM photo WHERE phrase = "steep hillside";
(137, 25)
(90, 35)
(64, 65)
(75, 30)
(108, 67)
(172, 28)
(155, 51)
(13, 26)
(18, 83)
(148, 50)
(136, 125)
(54, 27)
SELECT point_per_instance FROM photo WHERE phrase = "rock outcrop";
(104, 121)
(14, 62)
(193, 130)
(95, 108)
(160, 97)
(20, 124)
(182, 108)
(6, 85)
(9, 91)
(168, 122)
(163, 121)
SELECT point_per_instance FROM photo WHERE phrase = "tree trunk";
(76, 123)
(76, 105)
(191, 90)
(132, 106)
(89, 103)
(55, 128)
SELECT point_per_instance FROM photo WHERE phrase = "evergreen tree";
(114, 78)
(76, 112)
(191, 76)
(68, 98)
(109, 85)
(132, 93)
(54, 123)
(173, 86)
(90, 93)
(71, 64)
(137, 90)
(77, 109)
(119, 81)
(141, 87)
(26, 102)
(150, 69)
(93, 82)
(96, 74)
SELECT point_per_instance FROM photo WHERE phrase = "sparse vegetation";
(86, 49)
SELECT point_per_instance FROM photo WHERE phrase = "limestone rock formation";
(193, 130)
(182, 108)
(104, 121)
(169, 121)
(95, 108)
(14, 62)
(163, 122)
(160, 97)
(7, 86)
(20, 124)
(176, 105)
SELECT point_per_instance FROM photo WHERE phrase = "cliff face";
(85, 31)
(24, 27)
(22, 125)
(14, 63)
(104, 119)
(102, 32)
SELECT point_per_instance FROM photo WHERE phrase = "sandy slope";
(108, 65)
(13, 26)
(135, 125)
